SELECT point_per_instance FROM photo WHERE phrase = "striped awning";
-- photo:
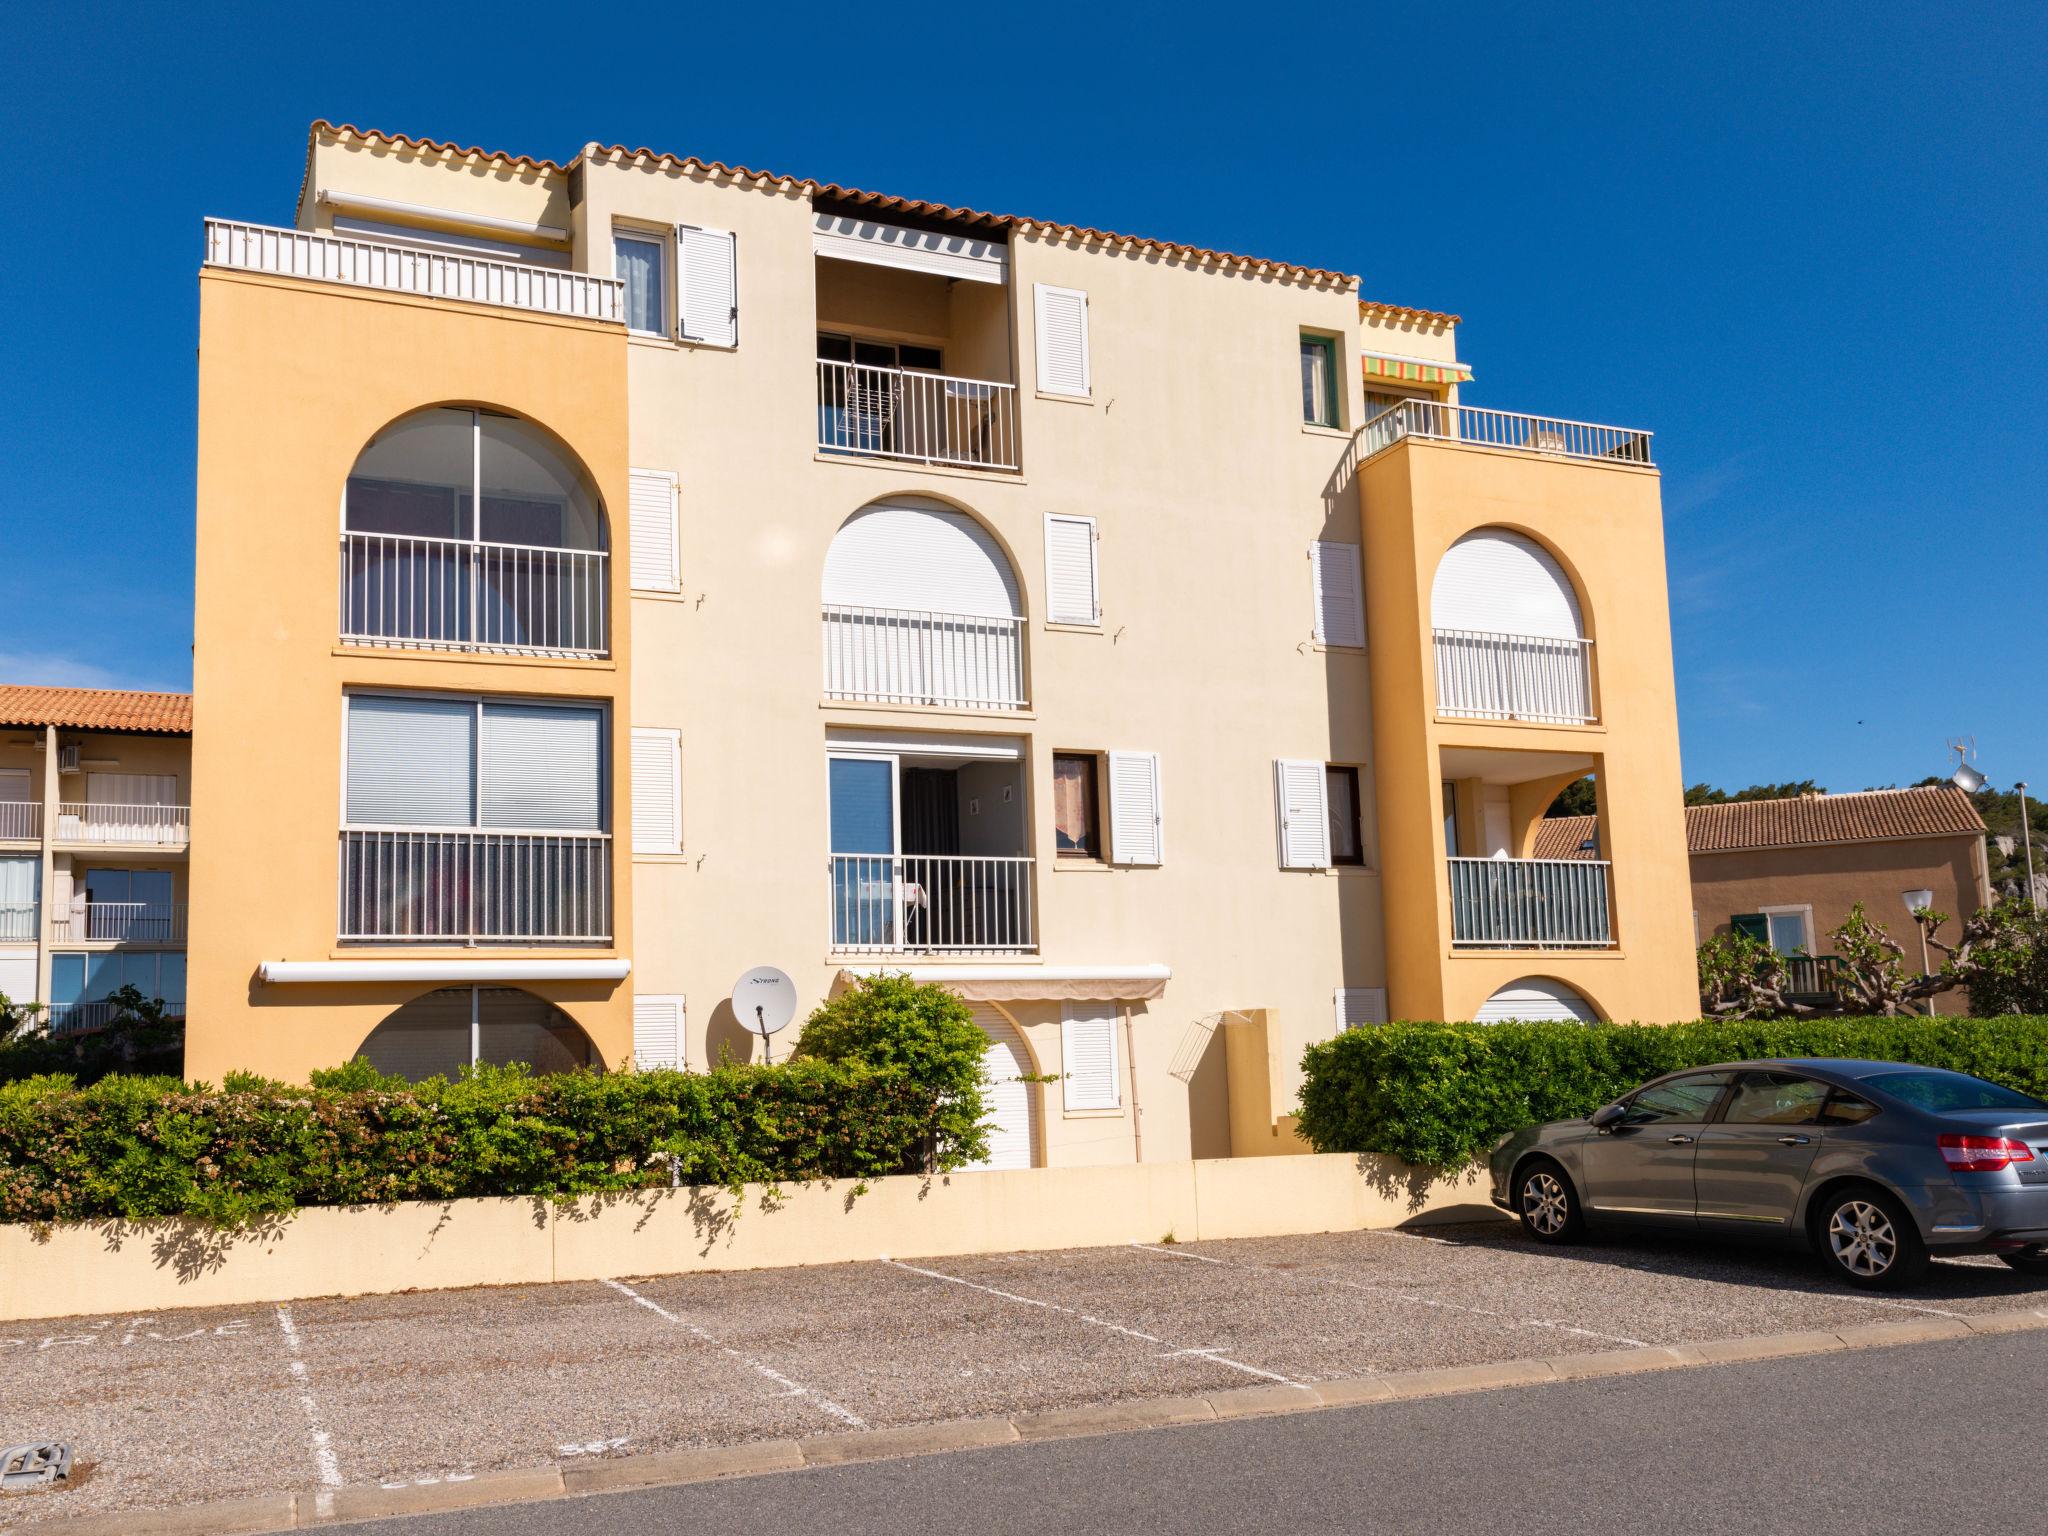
(1410, 370)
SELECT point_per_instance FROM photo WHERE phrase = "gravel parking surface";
(226, 1403)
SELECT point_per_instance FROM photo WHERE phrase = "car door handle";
(1794, 1141)
(1678, 1141)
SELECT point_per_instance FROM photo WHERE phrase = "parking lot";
(191, 1406)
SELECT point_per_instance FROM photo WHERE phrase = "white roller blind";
(918, 554)
(1340, 594)
(652, 499)
(657, 792)
(658, 1031)
(131, 788)
(708, 280)
(411, 762)
(1501, 582)
(1302, 802)
(1536, 998)
(1088, 1056)
(543, 767)
(1062, 339)
(1361, 1005)
(1071, 592)
(1136, 830)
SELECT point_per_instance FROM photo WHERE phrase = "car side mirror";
(1608, 1115)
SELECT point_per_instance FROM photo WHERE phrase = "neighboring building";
(95, 790)
(616, 575)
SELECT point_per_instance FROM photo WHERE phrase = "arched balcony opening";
(441, 1033)
(1511, 640)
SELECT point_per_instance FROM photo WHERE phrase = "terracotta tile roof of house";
(1368, 308)
(1871, 816)
(97, 709)
(1559, 837)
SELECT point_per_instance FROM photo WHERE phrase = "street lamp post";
(1916, 903)
(2026, 837)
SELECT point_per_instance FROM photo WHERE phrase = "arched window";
(439, 1034)
(472, 530)
(1510, 638)
(1536, 999)
(922, 607)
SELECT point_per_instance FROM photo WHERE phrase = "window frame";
(664, 245)
(1099, 855)
(1801, 910)
(1329, 382)
(1356, 860)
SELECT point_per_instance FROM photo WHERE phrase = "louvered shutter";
(1136, 832)
(1088, 1056)
(652, 512)
(1340, 595)
(1071, 593)
(1302, 799)
(1361, 1005)
(658, 1032)
(707, 277)
(411, 762)
(657, 792)
(1062, 339)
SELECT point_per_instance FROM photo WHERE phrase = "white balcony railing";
(1438, 422)
(21, 821)
(403, 885)
(1541, 678)
(18, 923)
(405, 269)
(931, 904)
(75, 1018)
(1530, 903)
(893, 413)
(461, 595)
(166, 826)
(903, 656)
(120, 922)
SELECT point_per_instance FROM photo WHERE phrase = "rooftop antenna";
(1965, 778)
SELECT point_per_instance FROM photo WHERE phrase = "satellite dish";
(764, 1000)
(1967, 779)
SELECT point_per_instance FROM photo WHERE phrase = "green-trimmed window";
(1319, 380)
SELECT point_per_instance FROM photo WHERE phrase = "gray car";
(1875, 1165)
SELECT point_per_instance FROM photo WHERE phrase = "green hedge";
(140, 1147)
(1442, 1095)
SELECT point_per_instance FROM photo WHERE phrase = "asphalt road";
(1913, 1439)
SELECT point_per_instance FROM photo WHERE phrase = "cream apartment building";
(617, 574)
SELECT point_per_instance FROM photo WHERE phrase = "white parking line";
(1384, 1290)
(323, 1444)
(1211, 1354)
(1880, 1301)
(759, 1368)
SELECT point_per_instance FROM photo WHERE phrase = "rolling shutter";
(652, 512)
(1302, 802)
(1071, 592)
(658, 1032)
(1536, 999)
(1361, 1005)
(707, 278)
(1062, 339)
(1503, 583)
(1088, 1056)
(1006, 1096)
(131, 788)
(1136, 832)
(411, 762)
(657, 791)
(1340, 595)
(918, 554)
(543, 767)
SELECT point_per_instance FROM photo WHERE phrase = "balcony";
(931, 904)
(1541, 679)
(925, 418)
(1549, 436)
(403, 269)
(78, 1018)
(94, 824)
(441, 594)
(904, 656)
(416, 886)
(1529, 904)
(21, 821)
(120, 922)
(18, 922)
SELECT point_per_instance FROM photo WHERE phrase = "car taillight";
(1983, 1154)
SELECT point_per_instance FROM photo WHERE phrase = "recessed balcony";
(908, 656)
(94, 824)
(1541, 679)
(120, 922)
(460, 886)
(1530, 904)
(21, 821)
(926, 418)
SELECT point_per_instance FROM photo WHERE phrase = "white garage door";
(1536, 999)
(1009, 1099)
(1505, 584)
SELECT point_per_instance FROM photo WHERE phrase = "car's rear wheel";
(1547, 1204)
(1867, 1239)
(2030, 1261)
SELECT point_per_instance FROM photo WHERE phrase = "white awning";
(479, 972)
(842, 237)
(1030, 983)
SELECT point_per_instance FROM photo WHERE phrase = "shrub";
(139, 1038)
(1442, 1095)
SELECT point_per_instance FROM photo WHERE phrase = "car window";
(1931, 1088)
(1775, 1098)
(1683, 1098)
(1844, 1108)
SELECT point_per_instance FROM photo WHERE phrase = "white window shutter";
(1361, 1005)
(1339, 592)
(1072, 594)
(652, 519)
(658, 1031)
(1062, 339)
(707, 278)
(1302, 801)
(1136, 830)
(1088, 1056)
(657, 791)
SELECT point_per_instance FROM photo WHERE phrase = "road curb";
(305, 1511)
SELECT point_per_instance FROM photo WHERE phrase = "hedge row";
(143, 1147)
(1442, 1095)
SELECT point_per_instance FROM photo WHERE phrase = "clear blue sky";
(1804, 244)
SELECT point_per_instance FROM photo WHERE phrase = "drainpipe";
(1137, 1114)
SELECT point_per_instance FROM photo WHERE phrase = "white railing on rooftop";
(1436, 421)
(21, 821)
(406, 885)
(461, 595)
(1530, 903)
(1540, 678)
(405, 269)
(916, 903)
(168, 826)
(931, 418)
(120, 922)
(905, 656)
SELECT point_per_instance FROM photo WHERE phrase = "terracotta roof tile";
(1560, 837)
(1367, 308)
(97, 709)
(1938, 810)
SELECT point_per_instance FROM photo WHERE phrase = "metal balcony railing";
(120, 922)
(931, 904)
(1530, 903)
(904, 656)
(465, 595)
(1541, 678)
(21, 821)
(18, 923)
(76, 1018)
(168, 826)
(406, 885)
(1436, 421)
(932, 418)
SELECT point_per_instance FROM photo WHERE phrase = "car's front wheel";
(1867, 1239)
(1547, 1204)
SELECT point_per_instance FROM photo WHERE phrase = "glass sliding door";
(865, 889)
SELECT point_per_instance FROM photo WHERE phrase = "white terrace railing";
(167, 826)
(17, 922)
(915, 903)
(405, 885)
(1485, 676)
(904, 656)
(893, 413)
(74, 1018)
(405, 269)
(464, 595)
(21, 821)
(1530, 903)
(120, 922)
(1435, 421)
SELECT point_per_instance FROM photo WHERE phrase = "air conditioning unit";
(67, 758)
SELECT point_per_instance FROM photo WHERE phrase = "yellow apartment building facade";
(614, 575)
